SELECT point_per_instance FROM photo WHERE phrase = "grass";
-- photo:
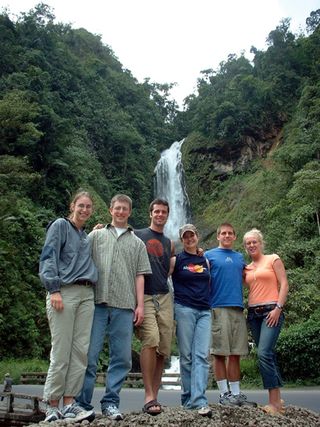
(250, 376)
(16, 366)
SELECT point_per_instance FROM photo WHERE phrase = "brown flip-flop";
(147, 407)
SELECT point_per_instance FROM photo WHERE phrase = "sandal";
(272, 410)
(147, 408)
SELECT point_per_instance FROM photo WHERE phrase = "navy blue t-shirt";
(191, 281)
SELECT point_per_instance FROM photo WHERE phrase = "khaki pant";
(229, 332)
(157, 327)
(70, 336)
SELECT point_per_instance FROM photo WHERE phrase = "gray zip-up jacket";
(66, 256)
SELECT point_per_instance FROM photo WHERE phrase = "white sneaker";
(53, 414)
(205, 411)
(243, 400)
(112, 412)
(77, 413)
(228, 399)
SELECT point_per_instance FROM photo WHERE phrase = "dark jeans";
(265, 338)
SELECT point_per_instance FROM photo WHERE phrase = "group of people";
(114, 282)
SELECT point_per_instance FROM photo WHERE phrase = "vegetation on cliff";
(252, 156)
(71, 116)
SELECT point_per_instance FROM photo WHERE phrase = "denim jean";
(117, 324)
(265, 338)
(193, 336)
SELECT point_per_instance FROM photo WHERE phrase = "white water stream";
(170, 185)
(174, 369)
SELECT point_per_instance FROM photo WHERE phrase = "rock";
(222, 416)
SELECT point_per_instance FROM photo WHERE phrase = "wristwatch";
(279, 306)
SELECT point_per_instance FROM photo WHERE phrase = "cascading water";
(170, 185)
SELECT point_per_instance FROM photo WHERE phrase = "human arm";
(172, 264)
(49, 262)
(244, 282)
(49, 258)
(172, 249)
(139, 310)
(273, 316)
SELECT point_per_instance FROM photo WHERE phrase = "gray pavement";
(132, 399)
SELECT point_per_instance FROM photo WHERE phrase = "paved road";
(132, 399)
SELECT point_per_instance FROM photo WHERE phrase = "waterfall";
(174, 369)
(170, 185)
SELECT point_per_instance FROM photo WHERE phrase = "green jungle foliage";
(298, 350)
(71, 116)
(252, 155)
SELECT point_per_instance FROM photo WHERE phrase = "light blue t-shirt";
(226, 267)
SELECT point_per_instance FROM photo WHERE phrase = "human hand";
(56, 301)
(200, 251)
(273, 317)
(138, 316)
(98, 227)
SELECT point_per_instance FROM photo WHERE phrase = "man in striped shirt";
(122, 261)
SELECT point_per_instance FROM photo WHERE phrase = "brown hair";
(76, 196)
(225, 224)
(121, 198)
(158, 201)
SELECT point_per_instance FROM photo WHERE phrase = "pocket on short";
(216, 339)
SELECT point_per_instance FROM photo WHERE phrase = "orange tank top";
(262, 281)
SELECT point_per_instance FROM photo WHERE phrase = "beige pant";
(70, 336)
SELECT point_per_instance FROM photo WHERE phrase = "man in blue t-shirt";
(229, 330)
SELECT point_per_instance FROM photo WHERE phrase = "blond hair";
(256, 233)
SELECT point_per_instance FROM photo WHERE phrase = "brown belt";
(83, 283)
(262, 308)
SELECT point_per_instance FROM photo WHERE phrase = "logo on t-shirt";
(229, 259)
(194, 268)
(154, 247)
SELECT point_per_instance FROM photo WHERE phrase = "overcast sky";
(173, 40)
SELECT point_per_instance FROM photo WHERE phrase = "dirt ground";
(222, 416)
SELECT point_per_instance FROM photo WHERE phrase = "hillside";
(71, 116)
(253, 155)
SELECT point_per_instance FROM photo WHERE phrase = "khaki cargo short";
(229, 332)
(157, 327)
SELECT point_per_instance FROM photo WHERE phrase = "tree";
(313, 21)
(70, 117)
(18, 132)
(305, 192)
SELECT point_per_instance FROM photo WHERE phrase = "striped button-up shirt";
(119, 260)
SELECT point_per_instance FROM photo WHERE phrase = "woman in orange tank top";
(268, 288)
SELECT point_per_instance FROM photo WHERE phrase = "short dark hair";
(158, 201)
(225, 224)
(121, 198)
